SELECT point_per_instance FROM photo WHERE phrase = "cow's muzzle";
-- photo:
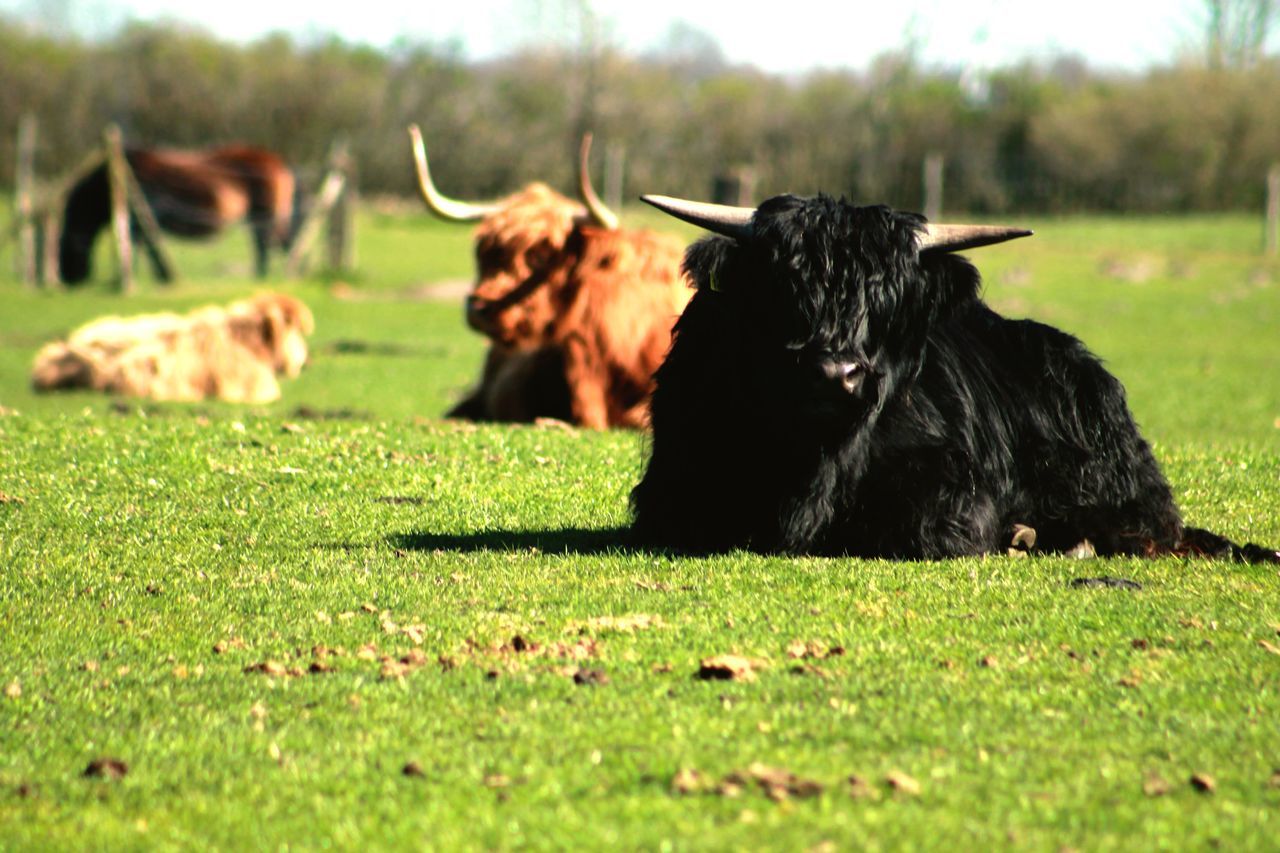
(480, 312)
(844, 375)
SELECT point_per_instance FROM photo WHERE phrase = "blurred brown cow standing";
(193, 194)
(578, 311)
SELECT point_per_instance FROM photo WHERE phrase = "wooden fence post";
(44, 216)
(1273, 210)
(50, 234)
(24, 206)
(933, 165)
(340, 234)
(152, 239)
(118, 180)
(334, 182)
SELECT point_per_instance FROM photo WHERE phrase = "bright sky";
(796, 35)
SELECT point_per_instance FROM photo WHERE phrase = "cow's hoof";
(1024, 539)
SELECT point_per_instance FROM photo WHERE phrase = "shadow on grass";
(570, 540)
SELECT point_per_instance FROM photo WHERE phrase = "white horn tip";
(734, 222)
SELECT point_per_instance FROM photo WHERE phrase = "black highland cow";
(837, 386)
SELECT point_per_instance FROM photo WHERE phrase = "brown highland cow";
(578, 311)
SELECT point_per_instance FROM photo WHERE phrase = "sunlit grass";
(154, 553)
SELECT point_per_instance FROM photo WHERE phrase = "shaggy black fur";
(956, 424)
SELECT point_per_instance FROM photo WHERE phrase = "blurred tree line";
(1041, 136)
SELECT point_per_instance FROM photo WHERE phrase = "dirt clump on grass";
(1104, 582)
(861, 789)
(310, 413)
(688, 781)
(627, 624)
(591, 677)
(106, 768)
(1203, 782)
(776, 783)
(902, 783)
(812, 649)
(1155, 785)
(398, 667)
(520, 647)
(728, 668)
(272, 668)
(223, 646)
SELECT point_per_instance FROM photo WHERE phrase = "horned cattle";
(838, 386)
(578, 311)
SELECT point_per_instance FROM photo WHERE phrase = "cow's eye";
(538, 256)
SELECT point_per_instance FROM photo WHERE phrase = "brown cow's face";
(276, 327)
(521, 264)
(512, 302)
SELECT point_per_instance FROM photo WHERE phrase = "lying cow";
(233, 353)
(578, 312)
(837, 385)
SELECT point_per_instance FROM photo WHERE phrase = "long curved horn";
(956, 238)
(723, 219)
(600, 211)
(440, 204)
(735, 222)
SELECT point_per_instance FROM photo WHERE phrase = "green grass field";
(270, 614)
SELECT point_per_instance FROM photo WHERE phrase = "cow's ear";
(575, 243)
(953, 281)
(273, 328)
(706, 264)
(269, 329)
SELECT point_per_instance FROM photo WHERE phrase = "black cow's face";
(834, 280)
(828, 293)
